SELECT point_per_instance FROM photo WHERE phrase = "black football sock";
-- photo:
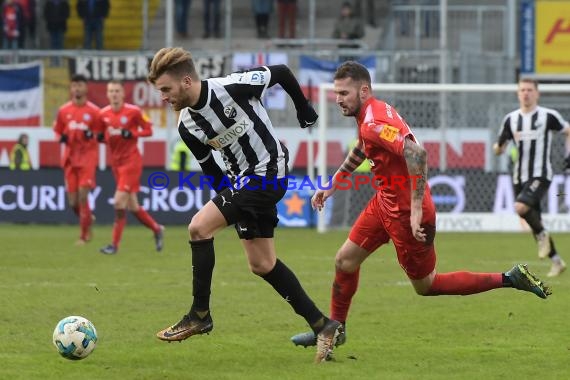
(288, 286)
(203, 260)
(532, 217)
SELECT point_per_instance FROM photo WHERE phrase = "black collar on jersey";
(203, 98)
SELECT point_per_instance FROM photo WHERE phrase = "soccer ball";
(74, 337)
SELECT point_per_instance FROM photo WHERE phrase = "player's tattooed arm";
(416, 161)
(353, 160)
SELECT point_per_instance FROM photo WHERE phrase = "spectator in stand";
(29, 27)
(212, 18)
(262, 9)
(13, 24)
(181, 17)
(56, 13)
(93, 14)
(287, 15)
(347, 26)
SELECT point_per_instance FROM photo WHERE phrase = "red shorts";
(77, 177)
(128, 177)
(373, 229)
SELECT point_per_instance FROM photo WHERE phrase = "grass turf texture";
(392, 333)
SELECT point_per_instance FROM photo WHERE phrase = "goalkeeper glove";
(63, 139)
(126, 133)
(88, 134)
(307, 116)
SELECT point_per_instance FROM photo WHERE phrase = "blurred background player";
(530, 128)
(402, 212)
(76, 124)
(121, 126)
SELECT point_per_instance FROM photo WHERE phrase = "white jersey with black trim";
(232, 120)
(532, 134)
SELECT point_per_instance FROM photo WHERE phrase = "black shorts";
(252, 207)
(531, 192)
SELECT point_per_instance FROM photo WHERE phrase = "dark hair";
(353, 70)
(78, 78)
(175, 61)
(529, 80)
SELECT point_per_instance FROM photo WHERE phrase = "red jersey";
(129, 117)
(383, 132)
(73, 120)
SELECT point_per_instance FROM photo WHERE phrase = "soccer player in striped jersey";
(401, 211)
(122, 124)
(531, 128)
(76, 124)
(226, 114)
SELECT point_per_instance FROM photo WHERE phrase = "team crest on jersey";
(124, 120)
(230, 112)
(86, 117)
(389, 133)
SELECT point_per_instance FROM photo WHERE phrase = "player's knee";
(197, 230)
(521, 208)
(260, 268)
(344, 264)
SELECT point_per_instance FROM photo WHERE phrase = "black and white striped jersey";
(230, 118)
(532, 134)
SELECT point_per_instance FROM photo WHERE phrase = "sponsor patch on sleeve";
(389, 133)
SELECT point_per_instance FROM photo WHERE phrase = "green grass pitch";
(392, 332)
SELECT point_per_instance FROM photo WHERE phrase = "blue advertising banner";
(527, 36)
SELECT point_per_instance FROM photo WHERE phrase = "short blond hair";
(175, 61)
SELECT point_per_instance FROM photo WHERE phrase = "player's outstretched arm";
(416, 161)
(282, 75)
(353, 159)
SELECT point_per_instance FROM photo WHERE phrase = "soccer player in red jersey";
(401, 211)
(76, 125)
(122, 125)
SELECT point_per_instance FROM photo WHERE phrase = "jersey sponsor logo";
(230, 112)
(230, 135)
(114, 131)
(74, 125)
(527, 135)
(389, 133)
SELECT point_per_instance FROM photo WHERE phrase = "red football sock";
(464, 283)
(118, 226)
(85, 220)
(146, 219)
(343, 289)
